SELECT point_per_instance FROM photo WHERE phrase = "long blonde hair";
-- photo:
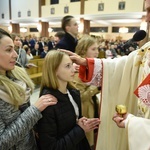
(14, 89)
(83, 44)
(11, 88)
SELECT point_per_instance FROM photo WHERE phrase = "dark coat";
(51, 45)
(67, 42)
(58, 129)
(43, 54)
(33, 52)
(41, 46)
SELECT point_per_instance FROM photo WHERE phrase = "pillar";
(85, 25)
(15, 28)
(44, 29)
(86, 29)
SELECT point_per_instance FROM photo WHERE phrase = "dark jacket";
(41, 45)
(51, 45)
(33, 52)
(67, 42)
(43, 54)
(58, 129)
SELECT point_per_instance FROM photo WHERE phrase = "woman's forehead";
(6, 41)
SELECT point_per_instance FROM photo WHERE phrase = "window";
(57, 29)
(130, 29)
(99, 29)
(54, 1)
(34, 30)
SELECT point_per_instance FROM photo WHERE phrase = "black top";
(58, 129)
(68, 42)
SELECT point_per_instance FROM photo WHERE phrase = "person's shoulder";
(61, 44)
(47, 90)
(74, 91)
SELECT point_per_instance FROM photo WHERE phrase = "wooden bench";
(35, 73)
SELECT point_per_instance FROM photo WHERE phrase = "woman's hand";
(75, 58)
(44, 101)
(120, 120)
(88, 124)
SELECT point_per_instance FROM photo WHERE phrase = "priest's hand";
(120, 120)
(75, 58)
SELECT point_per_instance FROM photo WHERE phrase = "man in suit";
(51, 43)
(41, 44)
(70, 27)
(36, 51)
(43, 54)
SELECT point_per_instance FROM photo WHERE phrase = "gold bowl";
(121, 109)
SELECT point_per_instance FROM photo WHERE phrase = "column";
(15, 28)
(86, 29)
(41, 3)
(85, 24)
(43, 25)
(44, 29)
(82, 6)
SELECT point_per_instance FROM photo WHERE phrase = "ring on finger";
(49, 100)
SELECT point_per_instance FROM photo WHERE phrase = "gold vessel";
(121, 109)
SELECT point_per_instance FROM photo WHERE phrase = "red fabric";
(86, 72)
(143, 91)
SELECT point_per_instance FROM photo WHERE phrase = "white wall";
(111, 6)
(23, 6)
(4, 8)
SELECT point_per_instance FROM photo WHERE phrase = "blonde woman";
(62, 126)
(17, 117)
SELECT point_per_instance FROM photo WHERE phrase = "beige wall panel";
(91, 6)
(59, 10)
(47, 2)
(64, 1)
(24, 6)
